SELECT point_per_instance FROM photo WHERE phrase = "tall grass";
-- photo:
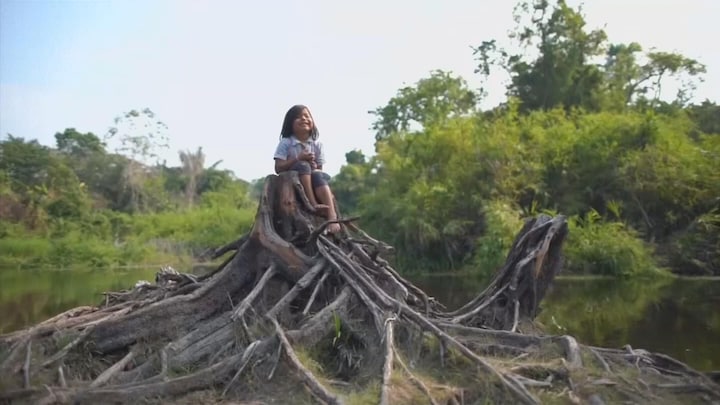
(110, 239)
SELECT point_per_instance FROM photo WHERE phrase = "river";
(678, 317)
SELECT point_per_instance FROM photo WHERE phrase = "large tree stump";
(298, 316)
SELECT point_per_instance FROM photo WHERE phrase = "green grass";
(120, 240)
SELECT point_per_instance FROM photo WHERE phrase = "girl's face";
(303, 124)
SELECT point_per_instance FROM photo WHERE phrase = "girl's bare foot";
(333, 228)
(322, 210)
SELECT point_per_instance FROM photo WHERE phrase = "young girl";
(299, 150)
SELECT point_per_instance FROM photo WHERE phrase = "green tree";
(25, 162)
(78, 145)
(99, 171)
(622, 74)
(355, 157)
(46, 187)
(706, 117)
(431, 101)
(353, 181)
(559, 72)
(556, 63)
(140, 136)
(214, 179)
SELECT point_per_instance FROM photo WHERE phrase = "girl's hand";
(306, 156)
(313, 165)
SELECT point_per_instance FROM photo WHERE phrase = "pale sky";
(222, 74)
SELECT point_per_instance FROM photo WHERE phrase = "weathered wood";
(223, 330)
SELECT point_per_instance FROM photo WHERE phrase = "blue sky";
(221, 74)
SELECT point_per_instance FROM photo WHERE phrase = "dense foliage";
(80, 204)
(586, 132)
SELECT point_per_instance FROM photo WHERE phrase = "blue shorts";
(317, 177)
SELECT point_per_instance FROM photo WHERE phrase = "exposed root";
(479, 308)
(232, 246)
(338, 299)
(389, 357)
(301, 284)
(61, 377)
(528, 382)
(276, 362)
(320, 229)
(516, 315)
(110, 372)
(416, 381)
(572, 351)
(26, 366)
(319, 285)
(244, 361)
(305, 375)
(247, 302)
(602, 361)
(65, 350)
(177, 386)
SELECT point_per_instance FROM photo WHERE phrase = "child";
(299, 150)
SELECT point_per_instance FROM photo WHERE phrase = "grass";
(368, 395)
(165, 237)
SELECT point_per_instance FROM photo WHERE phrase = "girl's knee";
(301, 167)
(318, 179)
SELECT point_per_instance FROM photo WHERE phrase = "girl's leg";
(304, 174)
(324, 194)
(306, 181)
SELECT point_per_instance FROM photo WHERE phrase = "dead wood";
(295, 307)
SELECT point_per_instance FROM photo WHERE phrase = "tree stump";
(295, 315)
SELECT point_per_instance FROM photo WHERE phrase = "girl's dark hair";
(294, 112)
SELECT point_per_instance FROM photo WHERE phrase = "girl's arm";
(319, 156)
(283, 161)
(284, 165)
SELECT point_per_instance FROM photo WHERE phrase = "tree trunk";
(295, 315)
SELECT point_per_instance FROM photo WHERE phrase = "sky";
(221, 74)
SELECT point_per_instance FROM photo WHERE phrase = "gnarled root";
(292, 307)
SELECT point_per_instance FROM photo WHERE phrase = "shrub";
(697, 251)
(610, 248)
(502, 223)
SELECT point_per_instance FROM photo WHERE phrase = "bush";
(107, 239)
(502, 223)
(606, 248)
(193, 230)
(697, 251)
(24, 251)
(76, 248)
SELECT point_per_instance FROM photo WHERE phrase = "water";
(678, 317)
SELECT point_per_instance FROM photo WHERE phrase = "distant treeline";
(78, 204)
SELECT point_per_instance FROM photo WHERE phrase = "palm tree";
(192, 167)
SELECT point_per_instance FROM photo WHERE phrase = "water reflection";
(677, 317)
(27, 297)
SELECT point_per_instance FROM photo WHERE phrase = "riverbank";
(677, 316)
